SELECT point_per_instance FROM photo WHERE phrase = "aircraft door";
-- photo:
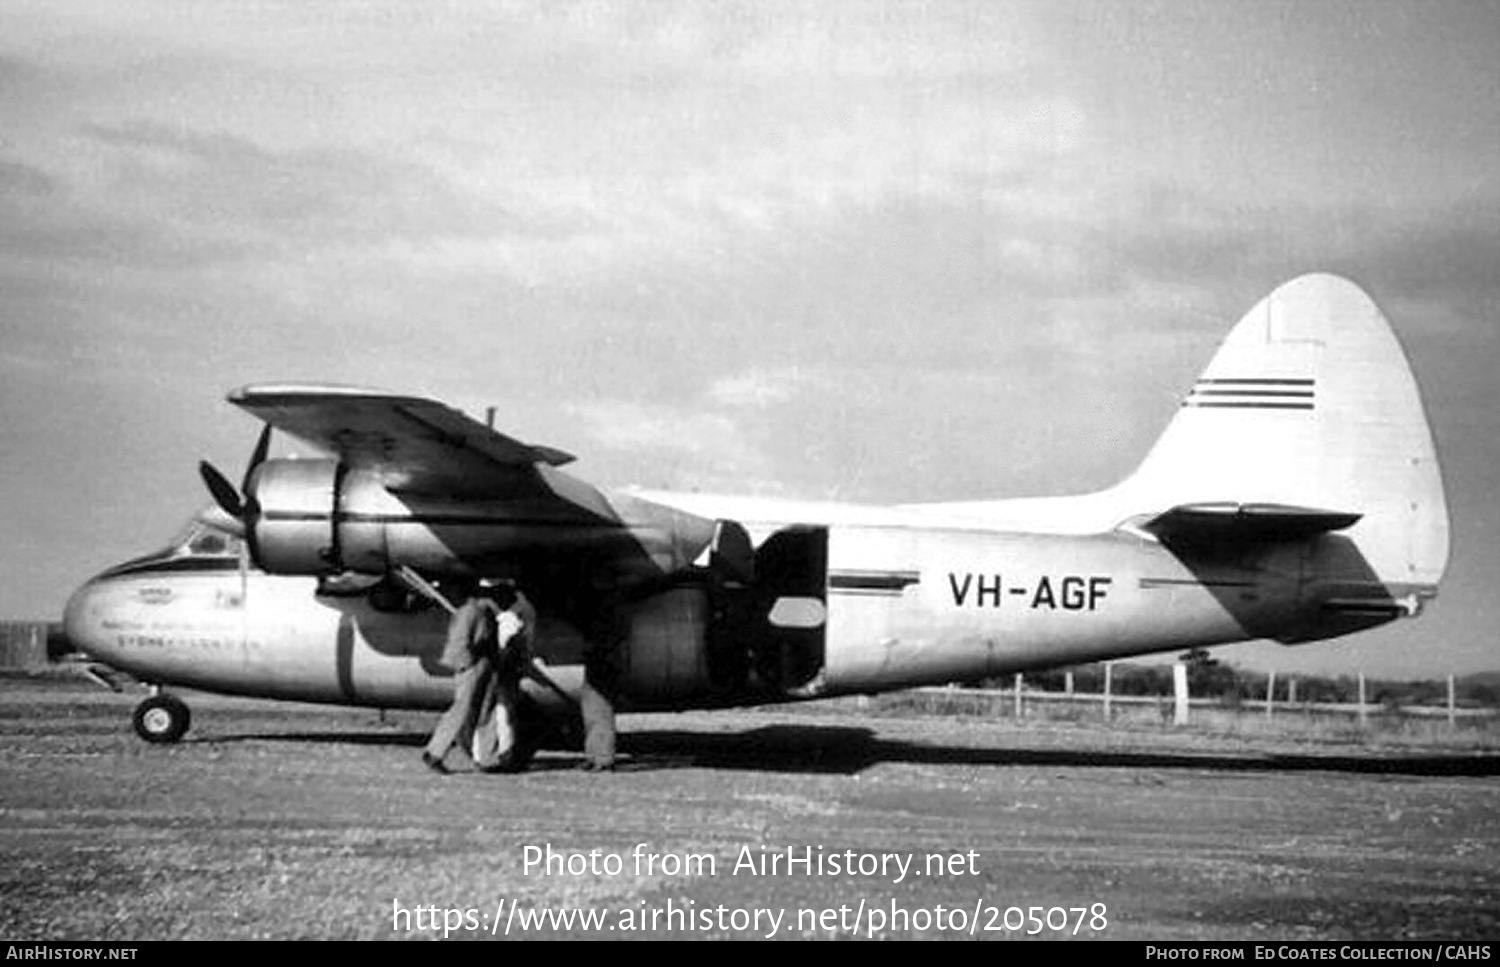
(791, 584)
(769, 612)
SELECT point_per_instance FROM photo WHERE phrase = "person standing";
(596, 702)
(608, 630)
(496, 747)
(471, 650)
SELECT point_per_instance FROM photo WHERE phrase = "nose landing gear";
(162, 718)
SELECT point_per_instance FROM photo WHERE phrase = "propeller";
(224, 492)
(235, 502)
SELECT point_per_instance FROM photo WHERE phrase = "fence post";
(1291, 691)
(1452, 706)
(1270, 691)
(1018, 695)
(1108, 668)
(1068, 682)
(1179, 694)
(1363, 717)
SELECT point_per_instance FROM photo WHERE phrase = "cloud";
(19, 178)
(677, 447)
(758, 389)
(145, 194)
(722, 438)
(212, 182)
(592, 142)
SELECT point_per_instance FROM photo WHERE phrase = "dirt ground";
(290, 821)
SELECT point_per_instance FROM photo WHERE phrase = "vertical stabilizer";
(1310, 403)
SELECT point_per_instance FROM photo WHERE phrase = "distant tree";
(1481, 693)
(1210, 678)
(1142, 680)
(1050, 680)
(1320, 690)
(1089, 678)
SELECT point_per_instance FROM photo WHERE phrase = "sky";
(883, 252)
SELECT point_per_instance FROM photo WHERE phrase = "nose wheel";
(161, 718)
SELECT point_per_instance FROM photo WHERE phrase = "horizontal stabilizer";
(1385, 608)
(1229, 521)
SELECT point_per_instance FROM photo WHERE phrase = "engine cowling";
(293, 509)
(319, 517)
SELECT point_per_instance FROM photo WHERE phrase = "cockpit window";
(196, 542)
(197, 539)
(210, 544)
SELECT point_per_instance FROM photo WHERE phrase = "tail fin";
(1311, 406)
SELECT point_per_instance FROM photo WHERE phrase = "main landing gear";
(162, 718)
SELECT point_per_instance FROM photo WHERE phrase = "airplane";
(1295, 495)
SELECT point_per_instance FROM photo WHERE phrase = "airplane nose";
(81, 622)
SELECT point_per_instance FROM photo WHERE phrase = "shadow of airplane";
(846, 750)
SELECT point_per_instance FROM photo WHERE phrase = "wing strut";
(421, 585)
(425, 588)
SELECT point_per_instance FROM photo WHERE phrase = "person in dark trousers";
(496, 747)
(471, 651)
(596, 699)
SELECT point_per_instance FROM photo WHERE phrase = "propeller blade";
(222, 490)
(257, 457)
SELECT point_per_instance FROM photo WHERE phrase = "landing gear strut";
(162, 718)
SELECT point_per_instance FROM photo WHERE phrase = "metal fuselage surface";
(905, 604)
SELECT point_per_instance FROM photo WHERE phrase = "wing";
(429, 455)
(414, 445)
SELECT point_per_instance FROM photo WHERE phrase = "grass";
(1380, 727)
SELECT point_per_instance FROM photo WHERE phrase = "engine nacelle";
(318, 517)
(293, 526)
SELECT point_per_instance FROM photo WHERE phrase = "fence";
(1019, 701)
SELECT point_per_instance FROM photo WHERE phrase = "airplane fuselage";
(896, 605)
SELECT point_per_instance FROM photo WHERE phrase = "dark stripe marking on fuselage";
(872, 582)
(178, 565)
(1226, 405)
(1148, 583)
